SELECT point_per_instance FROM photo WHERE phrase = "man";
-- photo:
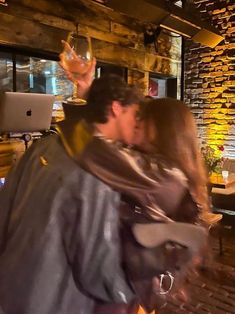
(59, 239)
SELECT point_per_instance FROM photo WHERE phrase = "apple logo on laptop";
(29, 113)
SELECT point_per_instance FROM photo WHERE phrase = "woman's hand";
(83, 81)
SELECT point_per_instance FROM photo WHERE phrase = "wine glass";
(77, 58)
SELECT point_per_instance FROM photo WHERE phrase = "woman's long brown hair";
(176, 140)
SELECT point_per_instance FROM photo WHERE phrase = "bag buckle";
(162, 277)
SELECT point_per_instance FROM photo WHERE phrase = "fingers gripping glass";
(77, 59)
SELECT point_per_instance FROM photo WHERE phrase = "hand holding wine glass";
(76, 59)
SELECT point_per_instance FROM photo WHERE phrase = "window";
(35, 72)
(157, 87)
(30, 72)
(160, 87)
(6, 72)
(36, 75)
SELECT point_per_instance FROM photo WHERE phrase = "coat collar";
(75, 136)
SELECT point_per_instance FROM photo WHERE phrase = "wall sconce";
(151, 34)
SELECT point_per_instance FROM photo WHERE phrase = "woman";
(168, 132)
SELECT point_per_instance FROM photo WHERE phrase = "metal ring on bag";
(162, 276)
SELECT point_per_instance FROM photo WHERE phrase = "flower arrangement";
(213, 158)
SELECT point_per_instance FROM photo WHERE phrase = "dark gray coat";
(59, 237)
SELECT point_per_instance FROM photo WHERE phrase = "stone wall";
(210, 78)
(116, 38)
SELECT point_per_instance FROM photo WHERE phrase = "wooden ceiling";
(163, 13)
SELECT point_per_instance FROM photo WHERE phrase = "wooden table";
(223, 201)
(10, 152)
(221, 186)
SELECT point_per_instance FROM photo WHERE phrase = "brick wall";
(210, 78)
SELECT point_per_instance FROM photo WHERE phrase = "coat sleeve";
(7, 193)
(156, 189)
(93, 245)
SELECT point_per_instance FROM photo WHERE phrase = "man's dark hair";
(104, 91)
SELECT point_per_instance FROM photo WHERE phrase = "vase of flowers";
(213, 158)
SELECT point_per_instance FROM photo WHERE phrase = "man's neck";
(107, 130)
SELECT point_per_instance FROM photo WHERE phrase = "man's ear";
(116, 108)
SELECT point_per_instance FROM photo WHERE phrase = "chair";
(225, 205)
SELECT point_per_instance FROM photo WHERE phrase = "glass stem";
(75, 91)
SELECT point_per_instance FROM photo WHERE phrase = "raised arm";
(83, 81)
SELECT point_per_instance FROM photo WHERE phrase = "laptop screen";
(25, 112)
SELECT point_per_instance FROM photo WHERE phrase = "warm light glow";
(216, 133)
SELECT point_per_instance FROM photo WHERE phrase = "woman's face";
(145, 137)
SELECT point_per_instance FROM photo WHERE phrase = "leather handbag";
(165, 251)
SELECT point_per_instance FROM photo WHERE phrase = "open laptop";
(25, 112)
